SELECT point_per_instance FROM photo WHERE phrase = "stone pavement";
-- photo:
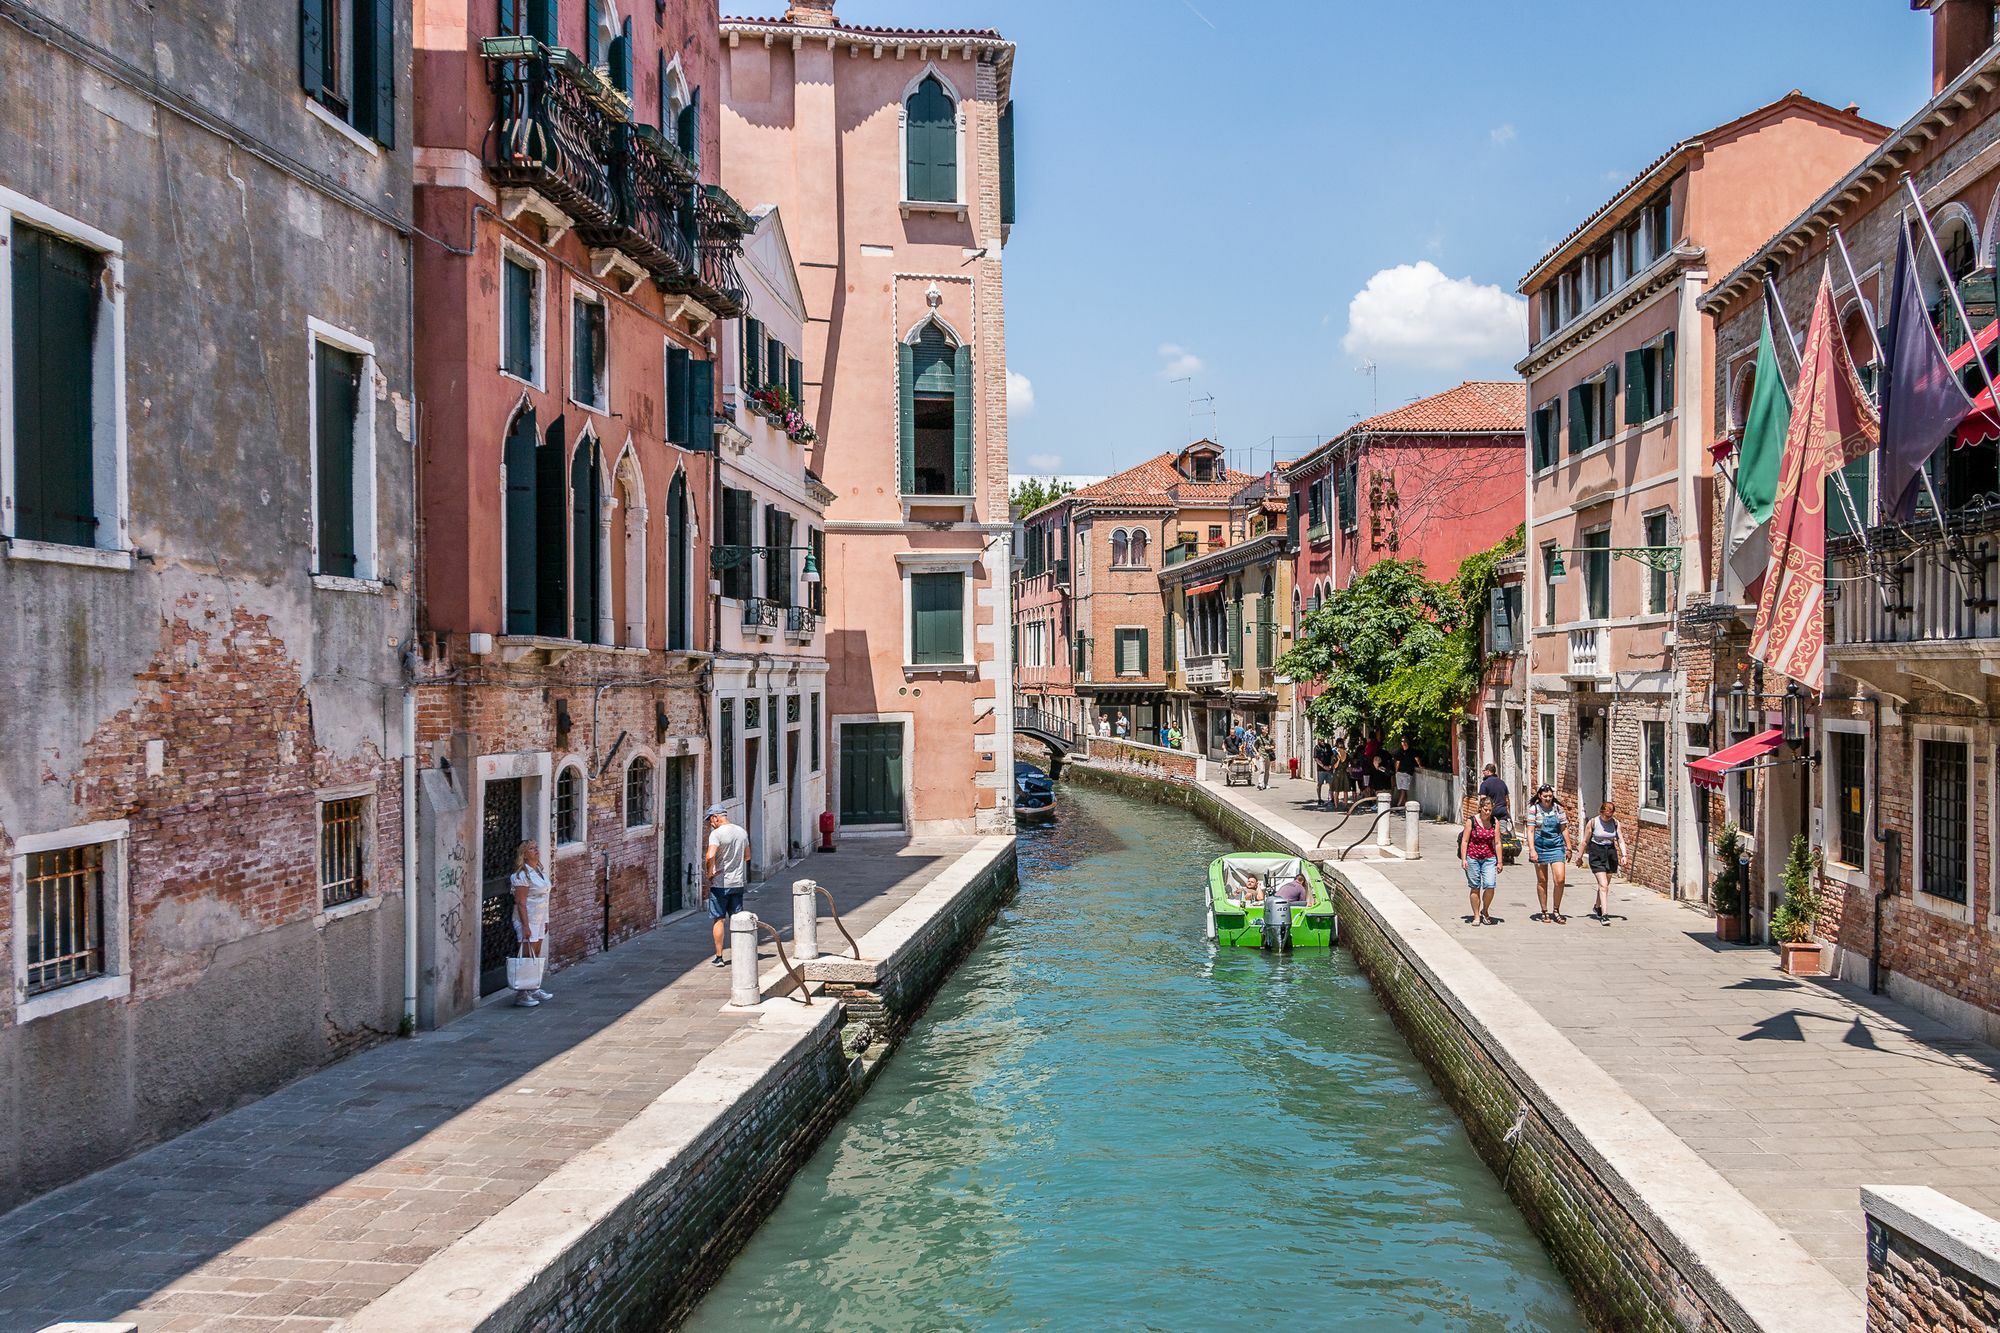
(1799, 1091)
(299, 1209)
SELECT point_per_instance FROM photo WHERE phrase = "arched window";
(934, 379)
(680, 565)
(639, 793)
(630, 573)
(1860, 342)
(1959, 240)
(1739, 402)
(930, 131)
(589, 533)
(1119, 550)
(1136, 551)
(572, 810)
(534, 555)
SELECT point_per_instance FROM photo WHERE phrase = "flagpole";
(1784, 321)
(1867, 307)
(1964, 322)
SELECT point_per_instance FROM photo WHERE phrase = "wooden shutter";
(735, 536)
(795, 381)
(1607, 406)
(55, 318)
(621, 59)
(774, 362)
(1856, 478)
(701, 404)
(312, 46)
(680, 572)
(1143, 665)
(753, 355)
(1235, 631)
(551, 552)
(583, 531)
(774, 559)
(1169, 643)
(961, 422)
(592, 53)
(677, 395)
(337, 388)
(375, 70)
(816, 593)
(582, 380)
(1007, 163)
(693, 144)
(660, 113)
(542, 22)
(518, 296)
(929, 122)
(906, 415)
(521, 516)
(937, 607)
(1637, 407)
(1666, 403)
(1579, 427)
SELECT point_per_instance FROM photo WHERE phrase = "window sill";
(940, 669)
(601, 411)
(937, 206)
(1944, 907)
(72, 997)
(1131, 569)
(635, 830)
(365, 903)
(345, 130)
(534, 384)
(344, 583)
(1647, 815)
(569, 849)
(83, 557)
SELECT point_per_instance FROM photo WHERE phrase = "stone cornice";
(1636, 292)
(1228, 560)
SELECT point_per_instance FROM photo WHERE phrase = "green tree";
(1031, 493)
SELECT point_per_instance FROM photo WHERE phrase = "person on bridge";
(1550, 829)
(728, 866)
(1479, 854)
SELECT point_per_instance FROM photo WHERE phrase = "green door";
(871, 773)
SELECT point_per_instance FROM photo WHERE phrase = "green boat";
(1243, 893)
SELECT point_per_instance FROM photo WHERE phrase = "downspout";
(409, 1024)
(409, 858)
(1890, 843)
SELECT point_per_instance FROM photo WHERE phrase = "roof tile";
(1499, 406)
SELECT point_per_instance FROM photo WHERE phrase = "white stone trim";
(625, 824)
(538, 314)
(957, 204)
(342, 128)
(938, 562)
(582, 843)
(1929, 902)
(367, 568)
(835, 723)
(117, 979)
(1941, 1224)
(1840, 871)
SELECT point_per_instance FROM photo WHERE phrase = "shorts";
(1482, 872)
(1403, 781)
(1324, 775)
(1551, 851)
(724, 903)
(1603, 858)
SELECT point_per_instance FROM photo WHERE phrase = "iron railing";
(343, 876)
(800, 621)
(1029, 718)
(1919, 584)
(655, 191)
(722, 225)
(762, 613)
(64, 917)
(550, 133)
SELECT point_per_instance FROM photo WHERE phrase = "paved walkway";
(1799, 1091)
(301, 1208)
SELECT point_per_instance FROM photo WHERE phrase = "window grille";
(65, 909)
(728, 750)
(343, 870)
(638, 794)
(1850, 767)
(1943, 818)
(569, 823)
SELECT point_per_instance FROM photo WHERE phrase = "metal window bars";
(638, 794)
(343, 873)
(65, 910)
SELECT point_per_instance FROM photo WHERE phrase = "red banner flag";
(1832, 425)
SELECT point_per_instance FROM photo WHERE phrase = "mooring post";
(743, 960)
(1382, 822)
(1410, 812)
(805, 919)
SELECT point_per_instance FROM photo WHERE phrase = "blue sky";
(1207, 184)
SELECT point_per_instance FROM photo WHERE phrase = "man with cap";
(728, 865)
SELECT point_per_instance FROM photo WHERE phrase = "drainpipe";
(1890, 842)
(409, 858)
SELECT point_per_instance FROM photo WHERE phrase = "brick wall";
(1933, 1264)
(1153, 761)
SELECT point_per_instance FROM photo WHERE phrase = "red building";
(574, 269)
(1433, 481)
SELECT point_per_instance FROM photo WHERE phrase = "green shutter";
(774, 363)
(937, 610)
(591, 51)
(1235, 632)
(961, 423)
(701, 404)
(930, 124)
(906, 415)
(737, 509)
(375, 70)
(520, 555)
(753, 355)
(1579, 428)
(693, 117)
(551, 516)
(55, 316)
(519, 298)
(1607, 406)
(1007, 163)
(660, 111)
(583, 542)
(337, 388)
(795, 381)
(677, 395)
(1856, 476)
(542, 22)
(1263, 632)
(1143, 664)
(1666, 403)
(1169, 647)
(1637, 408)
(680, 567)
(871, 773)
(621, 59)
(312, 45)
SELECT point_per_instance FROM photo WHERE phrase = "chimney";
(811, 13)
(1961, 30)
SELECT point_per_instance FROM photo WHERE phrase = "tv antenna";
(1373, 372)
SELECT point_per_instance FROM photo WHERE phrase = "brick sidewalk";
(301, 1208)
(1799, 1091)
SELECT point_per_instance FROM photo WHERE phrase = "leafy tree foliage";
(1032, 493)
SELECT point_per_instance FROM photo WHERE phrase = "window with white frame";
(347, 62)
(930, 139)
(1846, 770)
(589, 351)
(639, 793)
(1548, 749)
(343, 850)
(62, 385)
(341, 438)
(69, 918)
(1655, 528)
(571, 806)
(521, 344)
(1653, 766)
(937, 617)
(1944, 819)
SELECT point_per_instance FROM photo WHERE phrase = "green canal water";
(1104, 1123)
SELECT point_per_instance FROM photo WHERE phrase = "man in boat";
(1295, 890)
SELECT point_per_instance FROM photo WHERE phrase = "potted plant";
(1792, 924)
(1726, 895)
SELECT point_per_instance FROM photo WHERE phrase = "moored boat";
(1034, 794)
(1266, 900)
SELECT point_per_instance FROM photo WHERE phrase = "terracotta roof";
(1474, 407)
(1155, 482)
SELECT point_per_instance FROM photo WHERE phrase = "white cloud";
(1020, 394)
(1502, 134)
(1178, 361)
(1047, 463)
(1413, 314)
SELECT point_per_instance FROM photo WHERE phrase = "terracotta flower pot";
(1800, 960)
(1729, 929)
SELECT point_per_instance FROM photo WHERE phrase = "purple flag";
(1922, 401)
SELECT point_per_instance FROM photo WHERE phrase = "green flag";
(1764, 430)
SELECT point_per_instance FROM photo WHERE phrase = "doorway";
(753, 803)
(502, 832)
(676, 866)
(1591, 727)
(871, 773)
(795, 824)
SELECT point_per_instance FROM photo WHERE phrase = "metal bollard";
(1410, 812)
(805, 920)
(743, 960)
(1382, 821)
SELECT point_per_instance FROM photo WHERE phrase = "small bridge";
(1057, 733)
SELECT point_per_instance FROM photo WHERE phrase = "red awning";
(1201, 588)
(1709, 770)
(1961, 357)
(1984, 423)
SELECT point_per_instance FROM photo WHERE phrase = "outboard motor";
(1277, 922)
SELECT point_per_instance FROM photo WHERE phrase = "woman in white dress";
(531, 913)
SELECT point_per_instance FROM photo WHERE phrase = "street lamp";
(1664, 558)
(1557, 571)
(1792, 715)
(1739, 709)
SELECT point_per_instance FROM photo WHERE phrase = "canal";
(1102, 1122)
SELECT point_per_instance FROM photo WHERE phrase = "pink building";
(889, 153)
(1620, 388)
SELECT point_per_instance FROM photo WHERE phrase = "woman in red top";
(1479, 853)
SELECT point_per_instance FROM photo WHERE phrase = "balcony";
(1923, 591)
(1588, 659)
(722, 225)
(800, 622)
(1210, 671)
(1061, 569)
(761, 615)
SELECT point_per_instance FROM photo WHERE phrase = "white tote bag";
(524, 973)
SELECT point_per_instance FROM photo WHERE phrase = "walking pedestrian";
(1604, 850)
(1122, 727)
(1405, 766)
(1262, 754)
(728, 864)
(531, 915)
(1479, 854)
(1324, 756)
(1550, 828)
(1494, 788)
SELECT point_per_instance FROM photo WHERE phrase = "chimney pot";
(811, 13)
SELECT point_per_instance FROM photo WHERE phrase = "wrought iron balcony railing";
(800, 621)
(721, 226)
(551, 131)
(1919, 584)
(761, 613)
(656, 185)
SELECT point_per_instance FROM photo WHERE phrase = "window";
(1595, 558)
(588, 538)
(737, 540)
(930, 131)
(1656, 576)
(1215, 534)
(1204, 467)
(1592, 406)
(1350, 498)
(639, 793)
(937, 619)
(343, 858)
(1548, 749)
(1943, 807)
(774, 750)
(1546, 435)
(65, 902)
(1659, 224)
(342, 441)
(690, 399)
(1847, 776)
(1653, 750)
(814, 722)
(680, 568)
(816, 592)
(1131, 649)
(347, 62)
(1548, 583)
(1649, 381)
(1600, 266)
(934, 373)
(1315, 504)
(587, 351)
(1118, 551)
(535, 553)
(727, 751)
(521, 318)
(65, 432)
(778, 527)
(569, 806)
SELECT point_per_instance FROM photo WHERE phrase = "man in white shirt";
(728, 866)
